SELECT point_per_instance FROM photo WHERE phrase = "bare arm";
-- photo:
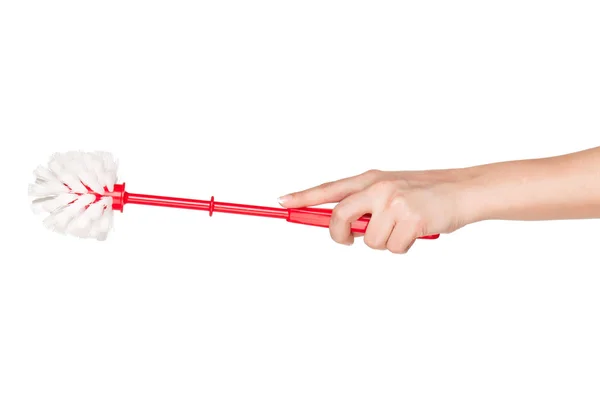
(560, 187)
(407, 204)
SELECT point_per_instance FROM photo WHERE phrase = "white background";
(248, 101)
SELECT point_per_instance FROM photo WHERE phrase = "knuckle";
(382, 187)
(372, 173)
(413, 219)
(338, 229)
(398, 205)
(398, 202)
(339, 214)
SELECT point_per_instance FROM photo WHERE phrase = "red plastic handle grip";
(321, 217)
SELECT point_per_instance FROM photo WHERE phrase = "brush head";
(73, 191)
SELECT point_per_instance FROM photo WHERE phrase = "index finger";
(330, 192)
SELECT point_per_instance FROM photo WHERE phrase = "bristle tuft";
(71, 190)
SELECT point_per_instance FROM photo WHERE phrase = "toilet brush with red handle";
(79, 193)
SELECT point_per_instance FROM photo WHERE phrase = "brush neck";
(196, 204)
(119, 197)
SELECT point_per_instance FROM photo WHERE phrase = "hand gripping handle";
(321, 217)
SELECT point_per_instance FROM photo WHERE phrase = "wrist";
(475, 200)
(514, 190)
(487, 192)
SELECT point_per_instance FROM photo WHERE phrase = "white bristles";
(109, 168)
(42, 173)
(47, 188)
(49, 204)
(60, 219)
(72, 191)
(102, 226)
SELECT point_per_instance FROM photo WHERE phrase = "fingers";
(330, 192)
(347, 211)
(396, 220)
(392, 226)
(402, 238)
(378, 231)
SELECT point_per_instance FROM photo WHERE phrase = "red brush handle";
(307, 216)
(321, 217)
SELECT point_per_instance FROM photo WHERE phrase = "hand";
(403, 206)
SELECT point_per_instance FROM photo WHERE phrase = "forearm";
(561, 187)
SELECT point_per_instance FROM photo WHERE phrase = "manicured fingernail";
(283, 199)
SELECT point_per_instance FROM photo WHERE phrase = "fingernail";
(283, 199)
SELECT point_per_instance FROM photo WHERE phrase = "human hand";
(403, 206)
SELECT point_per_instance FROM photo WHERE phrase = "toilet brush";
(79, 192)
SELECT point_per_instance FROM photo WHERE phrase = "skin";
(405, 205)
